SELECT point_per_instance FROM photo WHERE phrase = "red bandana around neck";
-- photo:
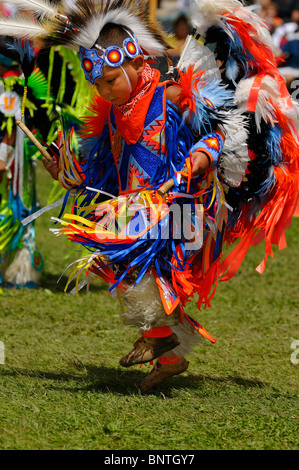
(130, 117)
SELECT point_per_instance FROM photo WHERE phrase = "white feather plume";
(195, 53)
(42, 7)
(21, 27)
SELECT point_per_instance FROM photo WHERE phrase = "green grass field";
(62, 386)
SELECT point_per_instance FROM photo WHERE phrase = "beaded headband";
(93, 62)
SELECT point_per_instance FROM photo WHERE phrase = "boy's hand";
(52, 167)
(200, 163)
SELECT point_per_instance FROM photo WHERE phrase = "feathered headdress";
(81, 23)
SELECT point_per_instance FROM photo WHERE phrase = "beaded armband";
(212, 145)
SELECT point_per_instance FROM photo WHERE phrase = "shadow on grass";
(123, 381)
(55, 283)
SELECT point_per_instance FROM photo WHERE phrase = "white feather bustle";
(144, 306)
(262, 33)
(234, 158)
(268, 93)
(292, 115)
(21, 271)
(207, 13)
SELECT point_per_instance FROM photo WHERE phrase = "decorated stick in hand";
(34, 140)
(166, 187)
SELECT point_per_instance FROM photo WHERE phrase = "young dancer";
(132, 90)
(224, 133)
